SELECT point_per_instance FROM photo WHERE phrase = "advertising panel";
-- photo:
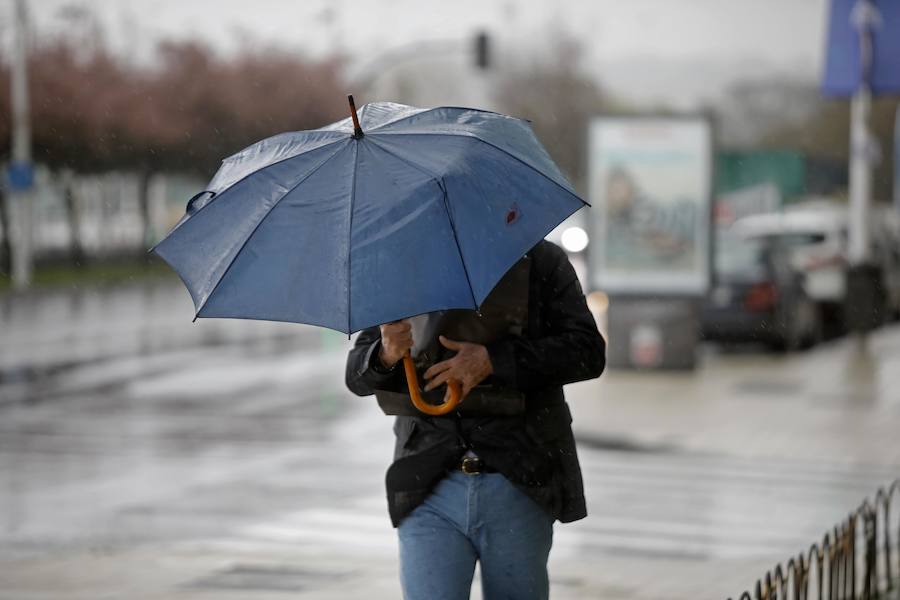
(650, 188)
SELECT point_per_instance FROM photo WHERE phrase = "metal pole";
(897, 160)
(21, 151)
(863, 17)
(860, 176)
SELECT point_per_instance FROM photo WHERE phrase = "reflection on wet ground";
(123, 331)
(128, 434)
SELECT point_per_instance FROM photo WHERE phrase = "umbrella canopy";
(356, 224)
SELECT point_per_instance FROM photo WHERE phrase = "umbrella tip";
(357, 130)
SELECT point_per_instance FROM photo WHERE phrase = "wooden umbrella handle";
(412, 381)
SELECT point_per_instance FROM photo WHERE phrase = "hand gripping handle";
(412, 381)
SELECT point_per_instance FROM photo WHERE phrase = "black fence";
(859, 558)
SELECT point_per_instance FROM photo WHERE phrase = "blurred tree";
(199, 108)
(786, 114)
(5, 148)
(196, 108)
(750, 110)
(74, 83)
(93, 112)
(559, 100)
(825, 134)
(5, 249)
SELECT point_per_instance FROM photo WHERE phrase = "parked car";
(817, 234)
(759, 296)
(886, 254)
(816, 245)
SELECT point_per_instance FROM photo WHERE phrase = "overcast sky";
(655, 50)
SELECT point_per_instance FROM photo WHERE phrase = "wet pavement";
(142, 456)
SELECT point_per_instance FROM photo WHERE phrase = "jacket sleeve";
(569, 349)
(362, 376)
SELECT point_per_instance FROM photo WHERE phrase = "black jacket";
(536, 450)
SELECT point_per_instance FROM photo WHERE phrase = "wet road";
(142, 456)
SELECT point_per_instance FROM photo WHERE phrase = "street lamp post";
(20, 173)
(864, 17)
(897, 160)
(864, 277)
(863, 61)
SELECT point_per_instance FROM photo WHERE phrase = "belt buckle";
(471, 465)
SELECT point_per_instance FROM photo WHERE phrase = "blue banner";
(897, 159)
(19, 176)
(843, 68)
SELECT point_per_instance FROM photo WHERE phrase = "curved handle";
(429, 409)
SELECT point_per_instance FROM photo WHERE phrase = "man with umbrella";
(487, 485)
(422, 229)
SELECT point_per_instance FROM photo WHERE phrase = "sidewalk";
(697, 483)
(826, 414)
(832, 404)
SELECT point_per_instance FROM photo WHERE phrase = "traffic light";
(482, 50)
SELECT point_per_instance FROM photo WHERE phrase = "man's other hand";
(396, 340)
(469, 367)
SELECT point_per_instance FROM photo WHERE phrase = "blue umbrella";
(399, 212)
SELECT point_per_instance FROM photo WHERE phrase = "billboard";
(650, 187)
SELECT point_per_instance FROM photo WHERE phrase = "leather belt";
(472, 465)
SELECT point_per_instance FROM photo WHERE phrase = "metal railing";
(859, 558)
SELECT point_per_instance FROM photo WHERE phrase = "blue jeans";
(469, 518)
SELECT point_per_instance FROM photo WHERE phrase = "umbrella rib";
(434, 108)
(401, 119)
(440, 183)
(456, 240)
(498, 148)
(350, 235)
(236, 155)
(258, 224)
